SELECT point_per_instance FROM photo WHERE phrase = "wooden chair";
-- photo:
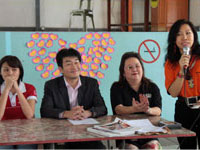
(85, 12)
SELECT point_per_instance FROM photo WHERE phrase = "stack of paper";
(126, 127)
(116, 128)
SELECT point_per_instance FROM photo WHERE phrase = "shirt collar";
(68, 85)
(21, 87)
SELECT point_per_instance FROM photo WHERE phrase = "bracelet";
(180, 75)
(148, 111)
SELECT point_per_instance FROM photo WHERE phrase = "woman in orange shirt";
(182, 77)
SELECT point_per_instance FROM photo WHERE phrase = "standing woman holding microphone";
(182, 77)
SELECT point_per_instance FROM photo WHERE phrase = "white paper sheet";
(84, 121)
(145, 126)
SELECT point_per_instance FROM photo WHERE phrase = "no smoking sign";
(149, 51)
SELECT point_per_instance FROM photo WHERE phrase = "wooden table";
(40, 131)
(127, 15)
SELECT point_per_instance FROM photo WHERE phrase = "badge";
(191, 83)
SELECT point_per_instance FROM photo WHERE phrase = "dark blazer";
(56, 99)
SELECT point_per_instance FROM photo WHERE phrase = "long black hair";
(173, 52)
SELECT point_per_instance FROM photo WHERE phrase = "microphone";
(186, 51)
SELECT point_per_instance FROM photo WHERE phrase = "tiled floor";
(169, 143)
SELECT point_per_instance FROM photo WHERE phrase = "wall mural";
(96, 50)
(100, 51)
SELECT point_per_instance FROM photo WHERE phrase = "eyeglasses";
(130, 67)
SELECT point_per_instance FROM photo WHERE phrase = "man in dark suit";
(73, 96)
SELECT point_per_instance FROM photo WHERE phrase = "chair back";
(85, 4)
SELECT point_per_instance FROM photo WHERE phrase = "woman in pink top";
(17, 99)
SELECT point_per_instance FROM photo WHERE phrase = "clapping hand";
(141, 106)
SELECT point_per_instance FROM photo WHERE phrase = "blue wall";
(36, 50)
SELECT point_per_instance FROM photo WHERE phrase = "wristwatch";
(93, 113)
(148, 111)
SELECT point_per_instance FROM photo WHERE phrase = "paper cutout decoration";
(96, 51)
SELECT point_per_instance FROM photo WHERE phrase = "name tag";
(148, 95)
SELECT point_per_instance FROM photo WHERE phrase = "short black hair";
(66, 52)
(14, 62)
